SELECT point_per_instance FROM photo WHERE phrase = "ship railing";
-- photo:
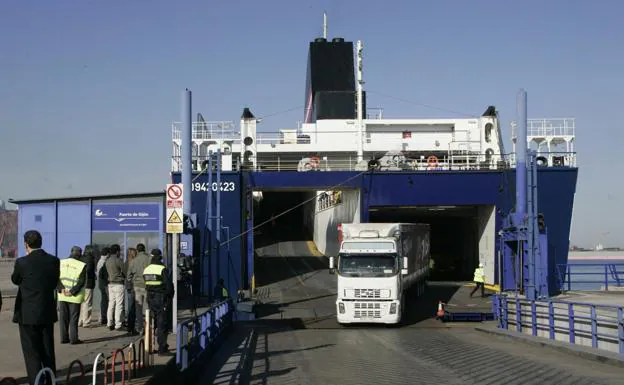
(396, 162)
(578, 323)
(548, 128)
(218, 131)
(550, 159)
(590, 276)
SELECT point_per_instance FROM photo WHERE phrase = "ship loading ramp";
(459, 235)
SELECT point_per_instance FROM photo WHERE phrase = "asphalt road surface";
(297, 341)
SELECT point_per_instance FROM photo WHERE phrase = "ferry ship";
(348, 163)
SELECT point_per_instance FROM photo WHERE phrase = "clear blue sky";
(89, 88)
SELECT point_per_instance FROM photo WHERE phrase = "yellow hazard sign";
(174, 217)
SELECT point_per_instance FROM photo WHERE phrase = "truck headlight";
(341, 308)
(393, 308)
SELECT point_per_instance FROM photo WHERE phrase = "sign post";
(175, 226)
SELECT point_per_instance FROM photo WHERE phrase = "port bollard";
(123, 366)
(95, 365)
(69, 371)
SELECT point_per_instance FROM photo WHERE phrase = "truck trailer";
(376, 265)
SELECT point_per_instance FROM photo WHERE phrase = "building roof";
(87, 197)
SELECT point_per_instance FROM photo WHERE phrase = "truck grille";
(367, 293)
(367, 310)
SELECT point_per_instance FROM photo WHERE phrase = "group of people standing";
(46, 282)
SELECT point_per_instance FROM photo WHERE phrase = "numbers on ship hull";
(205, 187)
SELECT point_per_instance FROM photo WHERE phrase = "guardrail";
(197, 335)
(608, 274)
(598, 326)
(440, 161)
(130, 363)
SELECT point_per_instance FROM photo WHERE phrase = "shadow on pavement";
(245, 358)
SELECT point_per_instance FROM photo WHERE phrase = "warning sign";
(174, 217)
(175, 208)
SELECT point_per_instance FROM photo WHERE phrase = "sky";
(88, 89)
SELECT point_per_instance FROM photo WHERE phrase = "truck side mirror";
(405, 262)
(331, 265)
(403, 271)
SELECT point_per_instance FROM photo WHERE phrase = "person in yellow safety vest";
(71, 290)
(479, 280)
(159, 288)
(220, 292)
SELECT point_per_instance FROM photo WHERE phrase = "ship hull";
(395, 194)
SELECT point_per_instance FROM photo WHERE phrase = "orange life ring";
(432, 161)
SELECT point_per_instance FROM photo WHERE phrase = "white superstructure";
(473, 143)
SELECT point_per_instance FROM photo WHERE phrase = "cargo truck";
(376, 264)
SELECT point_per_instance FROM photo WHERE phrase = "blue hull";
(556, 186)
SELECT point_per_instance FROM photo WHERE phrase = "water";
(590, 274)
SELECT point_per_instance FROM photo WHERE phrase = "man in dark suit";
(37, 275)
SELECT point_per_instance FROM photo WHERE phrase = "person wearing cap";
(159, 287)
(71, 290)
(479, 280)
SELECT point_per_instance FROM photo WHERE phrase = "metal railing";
(196, 335)
(604, 274)
(556, 127)
(598, 326)
(207, 130)
(130, 363)
(395, 163)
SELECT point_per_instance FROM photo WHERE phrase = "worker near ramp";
(72, 290)
(159, 288)
(479, 280)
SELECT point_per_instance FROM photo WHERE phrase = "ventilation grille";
(367, 310)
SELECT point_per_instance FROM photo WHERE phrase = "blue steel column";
(208, 241)
(521, 151)
(187, 148)
(218, 217)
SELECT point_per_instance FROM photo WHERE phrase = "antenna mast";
(324, 24)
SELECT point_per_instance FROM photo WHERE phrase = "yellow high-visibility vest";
(153, 275)
(478, 275)
(71, 269)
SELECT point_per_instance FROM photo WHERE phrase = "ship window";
(407, 134)
(488, 132)
(38, 218)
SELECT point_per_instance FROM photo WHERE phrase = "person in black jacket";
(89, 257)
(37, 276)
(102, 274)
(159, 286)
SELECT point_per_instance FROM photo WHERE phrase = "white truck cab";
(376, 264)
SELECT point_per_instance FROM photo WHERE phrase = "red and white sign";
(174, 191)
(175, 208)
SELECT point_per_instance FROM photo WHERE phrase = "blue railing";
(196, 335)
(590, 276)
(598, 326)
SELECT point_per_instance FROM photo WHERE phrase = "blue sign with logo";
(126, 217)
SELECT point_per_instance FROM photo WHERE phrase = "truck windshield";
(367, 265)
